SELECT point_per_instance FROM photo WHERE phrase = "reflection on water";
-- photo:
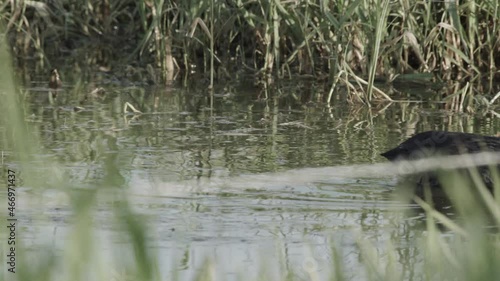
(254, 185)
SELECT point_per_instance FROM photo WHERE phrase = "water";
(253, 186)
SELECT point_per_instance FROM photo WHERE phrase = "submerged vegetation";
(352, 43)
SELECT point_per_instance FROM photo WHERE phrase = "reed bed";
(350, 42)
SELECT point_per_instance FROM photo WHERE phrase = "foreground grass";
(469, 252)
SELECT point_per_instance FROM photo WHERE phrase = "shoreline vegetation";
(351, 44)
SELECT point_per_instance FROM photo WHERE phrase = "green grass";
(348, 41)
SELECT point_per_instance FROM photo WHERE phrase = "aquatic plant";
(348, 41)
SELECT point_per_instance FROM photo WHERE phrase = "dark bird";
(439, 143)
(54, 82)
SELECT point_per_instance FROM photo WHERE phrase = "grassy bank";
(350, 42)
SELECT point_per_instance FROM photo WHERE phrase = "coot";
(440, 143)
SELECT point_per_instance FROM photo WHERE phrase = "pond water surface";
(255, 183)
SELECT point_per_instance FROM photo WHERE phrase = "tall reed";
(352, 42)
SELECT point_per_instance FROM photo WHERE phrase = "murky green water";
(253, 181)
